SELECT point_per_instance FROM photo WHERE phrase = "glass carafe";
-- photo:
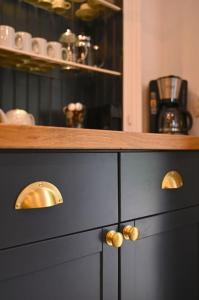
(173, 119)
(68, 39)
(84, 52)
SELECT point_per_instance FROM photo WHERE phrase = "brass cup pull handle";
(39, 194)
(114, 239)
(172, 180)
(130, 233)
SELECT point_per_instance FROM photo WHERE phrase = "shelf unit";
(43, 86)
(37, 63)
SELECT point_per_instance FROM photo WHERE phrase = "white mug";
(7, 36)
(61, 6)
(23, 41)
(39, 46)
(86, 12)
(55, 50)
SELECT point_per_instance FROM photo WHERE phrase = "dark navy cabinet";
(163, 263)
(61, 252)
(76, 267)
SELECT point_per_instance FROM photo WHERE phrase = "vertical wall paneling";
(33, 99)
(7, 93)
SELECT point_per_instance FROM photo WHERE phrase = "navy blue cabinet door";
(77, 267)
(163, 263)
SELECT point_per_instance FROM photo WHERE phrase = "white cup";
(23, 41)
(61, 6)
(86, 12)
(7, 36)
(55, 50)
(39, 46)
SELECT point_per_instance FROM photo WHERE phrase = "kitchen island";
(98, 215)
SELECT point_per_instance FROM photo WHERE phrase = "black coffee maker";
(168, 105)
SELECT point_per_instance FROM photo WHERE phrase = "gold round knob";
(114, 239)
(131, 233)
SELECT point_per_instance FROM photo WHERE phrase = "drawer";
(141, 180)
(87, 182)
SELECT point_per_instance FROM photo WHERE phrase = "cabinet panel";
(70, 280)
(163, 263)
(73, 267)
(87, 182)
(141, 179)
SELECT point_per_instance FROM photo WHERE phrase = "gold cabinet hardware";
(172, 180)
(39, 195)
(114, 239)
(130, 233)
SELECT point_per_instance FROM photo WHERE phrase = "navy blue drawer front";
(87, 182)
(141, 178)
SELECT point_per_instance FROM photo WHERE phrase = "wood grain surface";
(45, 137)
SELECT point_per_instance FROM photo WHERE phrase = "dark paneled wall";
(44, 95)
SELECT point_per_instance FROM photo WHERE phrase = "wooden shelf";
(42, 64)
(45, 137)
(104, 3)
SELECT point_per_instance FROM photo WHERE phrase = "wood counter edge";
(46, 137)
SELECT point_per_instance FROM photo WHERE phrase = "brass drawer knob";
(130, 233)
(114, 239)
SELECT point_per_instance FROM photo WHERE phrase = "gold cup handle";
(172, 180)
(40, 194)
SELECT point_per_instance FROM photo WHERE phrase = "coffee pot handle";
(189, 120)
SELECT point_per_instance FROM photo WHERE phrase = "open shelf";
(108, 6)
(36, 63)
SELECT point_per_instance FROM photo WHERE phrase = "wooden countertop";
(43, 137)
